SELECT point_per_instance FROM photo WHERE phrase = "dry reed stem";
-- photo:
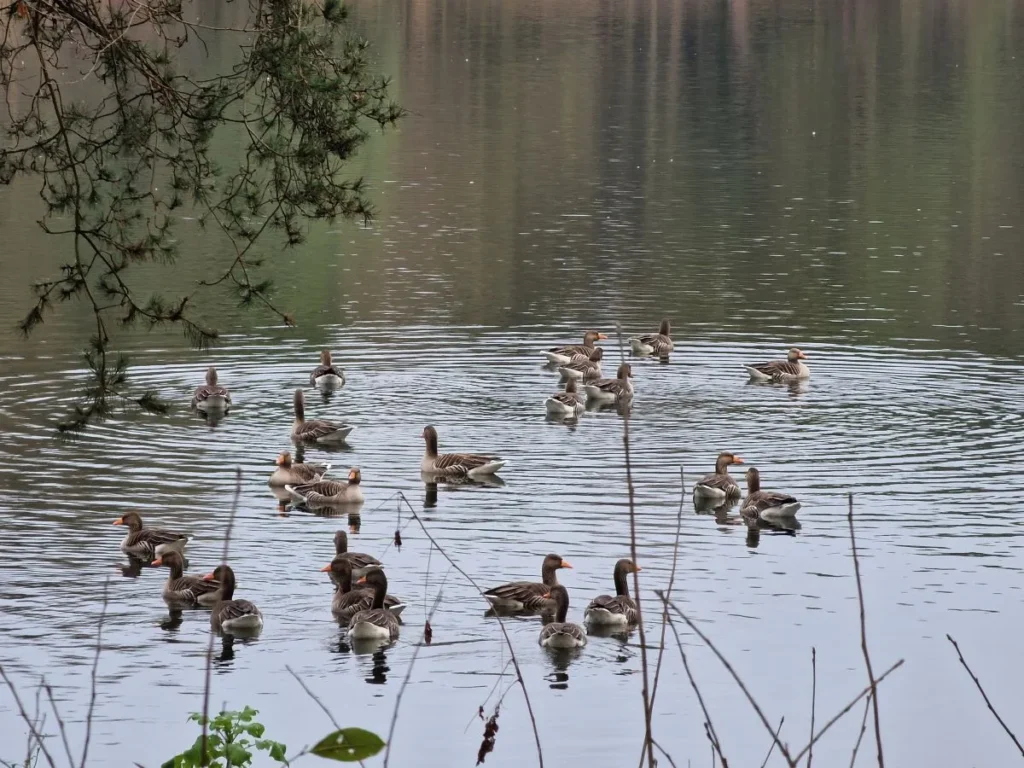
(501, 625)
(814, 697)
(863, 729)
(864, 635)
(209, 645)
(709, 727)
(984, 695)
(771, 747)
(314, 697)
(847, 708)
(735, 676)
(648, 736)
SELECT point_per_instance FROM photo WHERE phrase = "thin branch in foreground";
(864, 635)
(847, 708)
(709, 727)
(60, 721)
(30, 722)
(860, 736)
(735, 675)
(671, 584)
(771, 747)
(814, 696)
(408, 672)
(314, 697)
(95, 667)
(209, 644)
(984, 695)
(648, 736)
(501, 625)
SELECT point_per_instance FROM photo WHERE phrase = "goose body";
(621, 609)
(347, 602)
(291, 473)
(565, 404)
(180, 589)
(766, 505)
(325, 492)
(376, 623)
(230, 615)
(147, 543)
(612, 390)
(528, 595)
(584, 368)
(659, 344)
(327, 375)
(211, 396)
(563, 355)
(719, 485)
(561, 633)
(455, 464)
(316, 430)
(790, 369)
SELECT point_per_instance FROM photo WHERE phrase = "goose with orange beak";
(327, 492)
(780, 371)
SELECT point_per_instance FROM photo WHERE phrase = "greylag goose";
(291, 473)
(316, 430)
(563, 355)
(766, 505)
(324, 492)
(230, 615)
(620, 609)
(455, 464)
(584, 368)
(560, 633)
(612, 390)
(790, 369)
(147, 543)
(347, 602)
(211, 396)
(186, 590)
(376, 623)
(659, 344)
(565, 404)
(720, 485)
(359, 561)
(327, 374)
(528, 595)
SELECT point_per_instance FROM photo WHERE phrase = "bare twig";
(314, 697)
(771, 747)
(60, 721)
(209, 645)
(671, 584)
(666, 754)
(735, 676)
(860, 736)
(29, 721)
(95, 667)
(501, 625)
(814, 696)
(648, 736)
(847, 708)
(709, 728)
(864, 636)
(408, 674)
(984, 695)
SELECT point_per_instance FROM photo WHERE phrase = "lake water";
(846, 178)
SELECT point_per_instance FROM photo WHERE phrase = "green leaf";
(237, 755)
(254, 729)
(247, 714)
(349, 745)
(276, 749)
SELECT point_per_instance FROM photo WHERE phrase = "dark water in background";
(847, 178)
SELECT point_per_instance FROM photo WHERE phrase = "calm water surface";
(847, 179)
